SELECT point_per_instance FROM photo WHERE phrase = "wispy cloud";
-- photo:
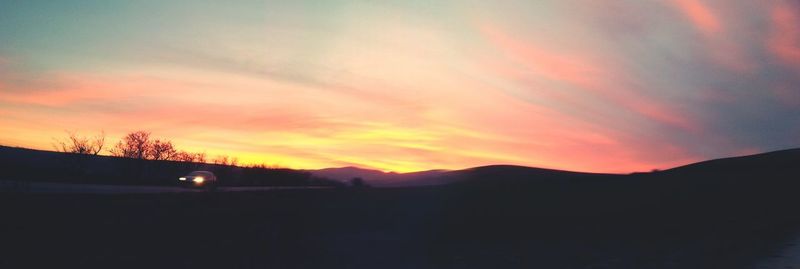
(616, 85)
(784, 39)
(700, 15)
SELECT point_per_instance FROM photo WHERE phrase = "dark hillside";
(710, 212)
(703, 216)
(36, 165)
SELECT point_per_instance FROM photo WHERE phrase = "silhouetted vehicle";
(199, 179)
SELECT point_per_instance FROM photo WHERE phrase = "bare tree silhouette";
(183, 156)
(81, 144)
(221, 160)
(134, 145)
(141, 145)
(200, 157)
(161, 150)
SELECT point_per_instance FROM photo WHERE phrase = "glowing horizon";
(617, 86)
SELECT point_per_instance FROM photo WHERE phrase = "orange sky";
(618, 87)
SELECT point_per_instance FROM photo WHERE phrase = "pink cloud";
(581, 70)
(720, 46)
(429, 98)
(784, 38)
(700, 15)
(601, 135)
(298, 129)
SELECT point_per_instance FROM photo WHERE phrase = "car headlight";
(181, 178)
(198, 179)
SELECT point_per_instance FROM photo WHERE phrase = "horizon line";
(434, 169)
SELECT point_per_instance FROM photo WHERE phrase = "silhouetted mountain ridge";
(440, 177)
(380, 178)
(781, 164)
(787, 160)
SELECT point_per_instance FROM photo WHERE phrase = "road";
(49, 187)
(787, 258)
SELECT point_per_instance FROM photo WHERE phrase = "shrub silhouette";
(80, 147)
(81, 144)
(139, 145)
(135, 145)
(142, 159)
(161, 150)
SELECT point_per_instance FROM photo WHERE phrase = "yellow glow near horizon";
(406, 85)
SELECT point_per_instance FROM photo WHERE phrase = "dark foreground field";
(725, 213)
(441, 227)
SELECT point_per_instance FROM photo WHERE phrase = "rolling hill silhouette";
(774, 162)
(771, 166)
(724, 213)
(774, 165)
(441, 177)
(22, 164)
(384, 179)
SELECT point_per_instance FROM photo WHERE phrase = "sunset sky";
(587, 85)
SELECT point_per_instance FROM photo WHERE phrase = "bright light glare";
(181, 178)
(198, 179)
